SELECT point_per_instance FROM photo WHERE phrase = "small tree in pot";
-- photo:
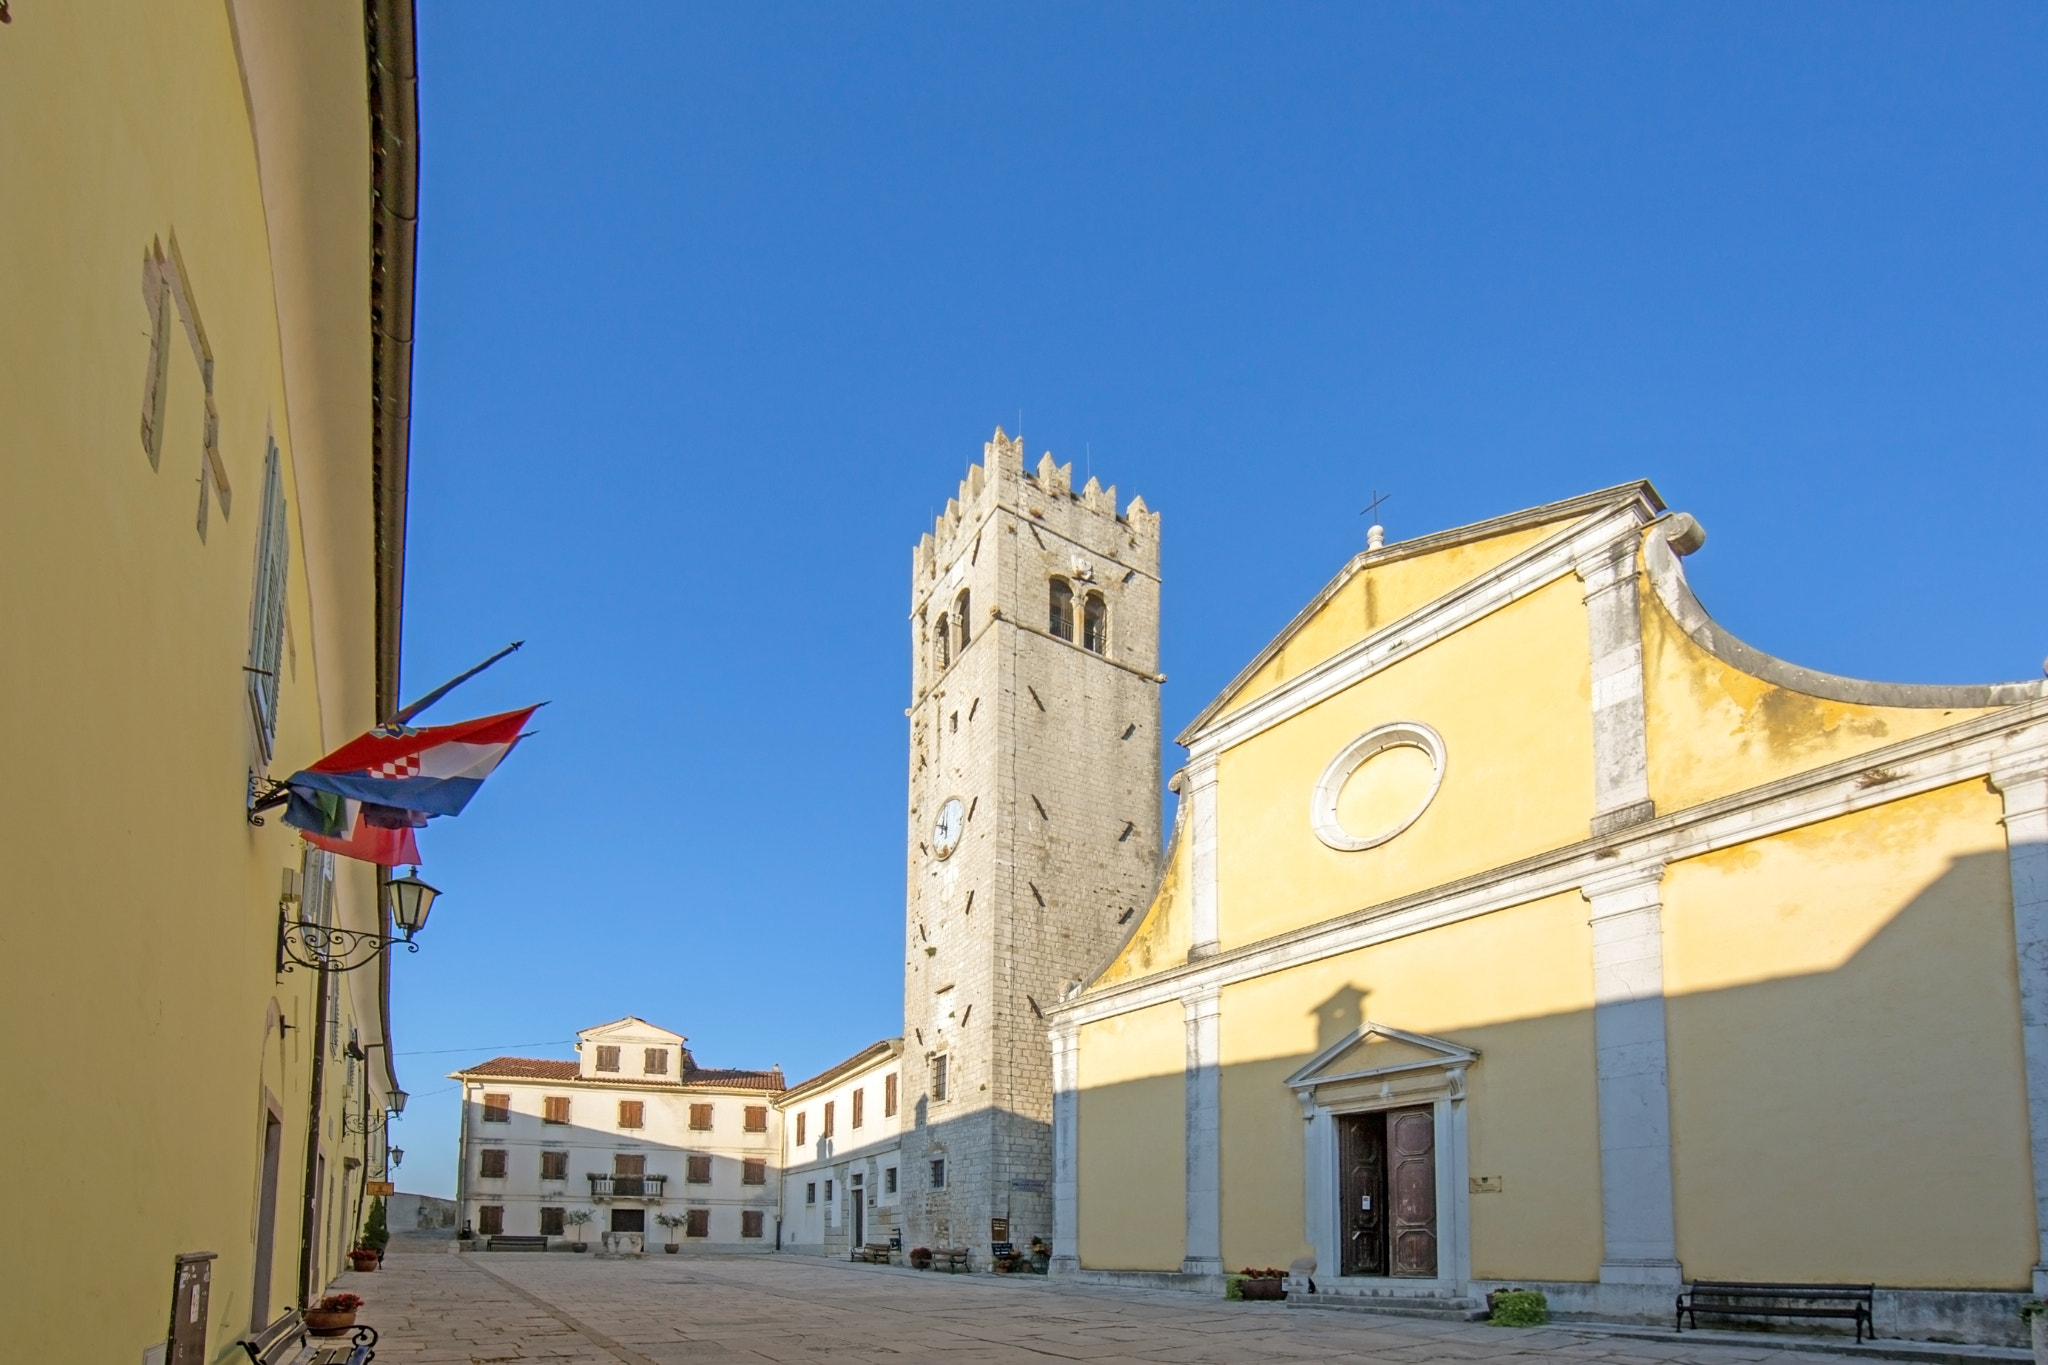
(671, 1221)
(577, 1219)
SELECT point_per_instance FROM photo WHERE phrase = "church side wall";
(1132, 1165)
(1848, 1092)
(1519, 765)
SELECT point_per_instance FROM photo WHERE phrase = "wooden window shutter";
(491, 1165)
(555, 1109)
(860, 1097)
(753, 1171)
(490, 1220)
(700, 1118)
(889, 1096)
(825, 1128)
(700, 1223)
(497, 1109)
(554, 1165)
(607, 1058)
(551, 1222)
(630, 1112)
(655, 1063)
(800, 1118)
(700, 1170)
(750, 1222)
(266, 611)
(757, 1118)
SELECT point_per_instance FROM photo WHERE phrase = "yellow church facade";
(208, 217)
(1522, 927)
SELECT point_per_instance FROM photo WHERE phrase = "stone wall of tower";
(1053, 750)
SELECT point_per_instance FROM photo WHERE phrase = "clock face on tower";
(946, 831)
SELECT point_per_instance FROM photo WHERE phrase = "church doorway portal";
(1386, 1180)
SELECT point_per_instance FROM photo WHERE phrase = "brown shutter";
(491, 1164)
(700, 1223)
(800, 1117)
(607, 1059)
(700, 1118)
(554, 1165)
(497, 1109)
(551, 1222)
(555, 1109)
(757, 1118)
(889, 1096)
(753, 1171)
(700, 1170)
(825, 1129)
(630, 1113)
(750, 1222)
(490, 1220)
(860, 1097)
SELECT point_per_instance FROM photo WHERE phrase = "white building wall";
(822, 1176)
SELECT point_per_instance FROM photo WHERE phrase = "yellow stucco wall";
(1378, 597)
(1517, 986)
(1847, 1090)
(1133, 1164)
(142, 951)
(1714, 730)
(1510, 694)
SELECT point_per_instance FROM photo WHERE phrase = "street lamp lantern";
(396, 1104)
(397, 1154)
(410, 900)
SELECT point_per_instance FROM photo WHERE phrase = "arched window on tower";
(1062, 623)
(960, 612)
(941, 655)
(1095, 623)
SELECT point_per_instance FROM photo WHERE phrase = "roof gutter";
(389, 40)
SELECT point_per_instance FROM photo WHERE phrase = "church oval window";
(1377, 786)
(1062, 614)
(1095, 624)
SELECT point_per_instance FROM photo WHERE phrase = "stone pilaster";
(2025, 789)
(1066, 1155)
(1201, 794)
(1621, 771)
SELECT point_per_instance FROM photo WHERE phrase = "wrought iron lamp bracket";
(352, 1123)
(329, 948)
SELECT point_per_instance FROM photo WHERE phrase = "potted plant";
(333, 1315)
(1041, 1256)
(920, 1258)
(363, 1258)
(1258, 1284)
(1517, 1308)
(2034, 1312)
(376, 1230)
(577, 1219)
(671, 1221)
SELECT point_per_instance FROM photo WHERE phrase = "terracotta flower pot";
(329, 1322)
(1261, 1289)
(363, 1260)
(671, 1247)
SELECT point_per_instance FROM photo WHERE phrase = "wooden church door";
(1387, 1187)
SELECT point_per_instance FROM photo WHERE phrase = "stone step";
(1439, 1307)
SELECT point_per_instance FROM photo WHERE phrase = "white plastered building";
(842, 1177)
(630, 1131)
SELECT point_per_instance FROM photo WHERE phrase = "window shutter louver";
(266, 612)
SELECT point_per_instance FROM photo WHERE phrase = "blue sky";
(717, 302)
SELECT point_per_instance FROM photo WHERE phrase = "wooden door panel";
(1362, 1183)
(1411, 1180)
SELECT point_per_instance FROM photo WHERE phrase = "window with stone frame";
(1095, 624)
(632, 1113)
(490, 1220)
(607, 1058)
(960, 606)
(700, 1118)
(939, 1173)
(1061, 618)
(889, 1096)
(888, 1180)
(654, 1062)
(941, 1066)
(753, 1171)
(757, 1118)
(554, 1165)
(554, 1109)
(491, 1163)
(551, 1221)
(497, 1109)
(750, 1222)
(698, 1224)
(699, 1170)
(810, 1192)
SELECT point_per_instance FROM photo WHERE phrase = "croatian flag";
(431, 771)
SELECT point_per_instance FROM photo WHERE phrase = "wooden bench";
(286, 1342)
(874, 1253)
(516, 1244)
(952, 1260)
(1850, 1302)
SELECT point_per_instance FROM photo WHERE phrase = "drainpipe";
(307, 1231)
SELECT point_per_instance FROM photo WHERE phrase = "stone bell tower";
(1034, 820)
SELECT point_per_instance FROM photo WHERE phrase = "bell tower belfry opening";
(1034, 829)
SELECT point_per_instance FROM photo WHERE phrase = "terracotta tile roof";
(695, 1077)
(867, 1056)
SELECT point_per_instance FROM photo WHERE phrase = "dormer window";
(656, 1062)
(1095, 624)
(1062, 615)
(607, 1058)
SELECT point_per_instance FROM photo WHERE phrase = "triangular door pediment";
(1373, 1050)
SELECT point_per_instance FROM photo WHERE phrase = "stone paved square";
(435, 1308)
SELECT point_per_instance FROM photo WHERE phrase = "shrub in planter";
(1268, 1284)
(364, 1258)
(671, 1221)
(920, 1258)
(376, 1228)
(1518, 1308)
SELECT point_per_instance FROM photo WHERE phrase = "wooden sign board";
(191, 1287)
(381, 1187)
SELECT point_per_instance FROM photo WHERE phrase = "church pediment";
(1375, 1051)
